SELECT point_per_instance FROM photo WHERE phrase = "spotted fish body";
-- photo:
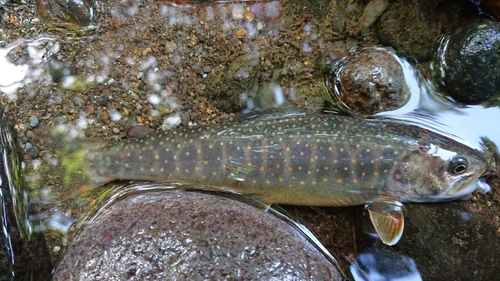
(316, 160)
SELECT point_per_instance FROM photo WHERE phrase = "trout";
(298, 159)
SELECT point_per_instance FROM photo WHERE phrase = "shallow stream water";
(161, 64)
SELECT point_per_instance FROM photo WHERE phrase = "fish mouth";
(461, 188)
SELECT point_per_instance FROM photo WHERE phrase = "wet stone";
(413, 26)
(472, 62)
(171, 122)
(73, 15)
(78, 101)
(33, 152)
(104, 101)
(138, 132)
(207, 69)
(370, 81)
(198, 68)
(33, 121)
(170, 47)
(181, 235)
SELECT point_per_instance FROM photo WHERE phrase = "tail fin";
(70, 170)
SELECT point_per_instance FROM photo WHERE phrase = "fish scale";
(308, 159)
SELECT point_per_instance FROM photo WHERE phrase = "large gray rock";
(182, 235)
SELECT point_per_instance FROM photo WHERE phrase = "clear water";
(428, 107)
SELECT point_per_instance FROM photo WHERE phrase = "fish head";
(433, 173)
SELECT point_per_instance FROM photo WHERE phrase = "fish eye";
(458, 165)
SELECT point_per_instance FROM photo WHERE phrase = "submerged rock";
(370, 81)
(182, 235)
(413, 26)
(471, 62)
(73, 15)
(138, 131)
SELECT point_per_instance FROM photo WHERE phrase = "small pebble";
(186, 118)
(33, 121)
(171, 122)
(241, 32)
(249, 16)
(32, 150)
(198, 68)
(77, 101)
(135, 132)
(115, 116)
(207, 69)
(170, 47)
(104, 101)
(237, 13)
(153, 99)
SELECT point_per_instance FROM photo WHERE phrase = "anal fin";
(388, 220)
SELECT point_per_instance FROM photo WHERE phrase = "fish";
(304, 159)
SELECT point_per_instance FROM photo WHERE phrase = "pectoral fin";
(388, 220)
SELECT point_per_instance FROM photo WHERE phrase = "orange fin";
(388, 220)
